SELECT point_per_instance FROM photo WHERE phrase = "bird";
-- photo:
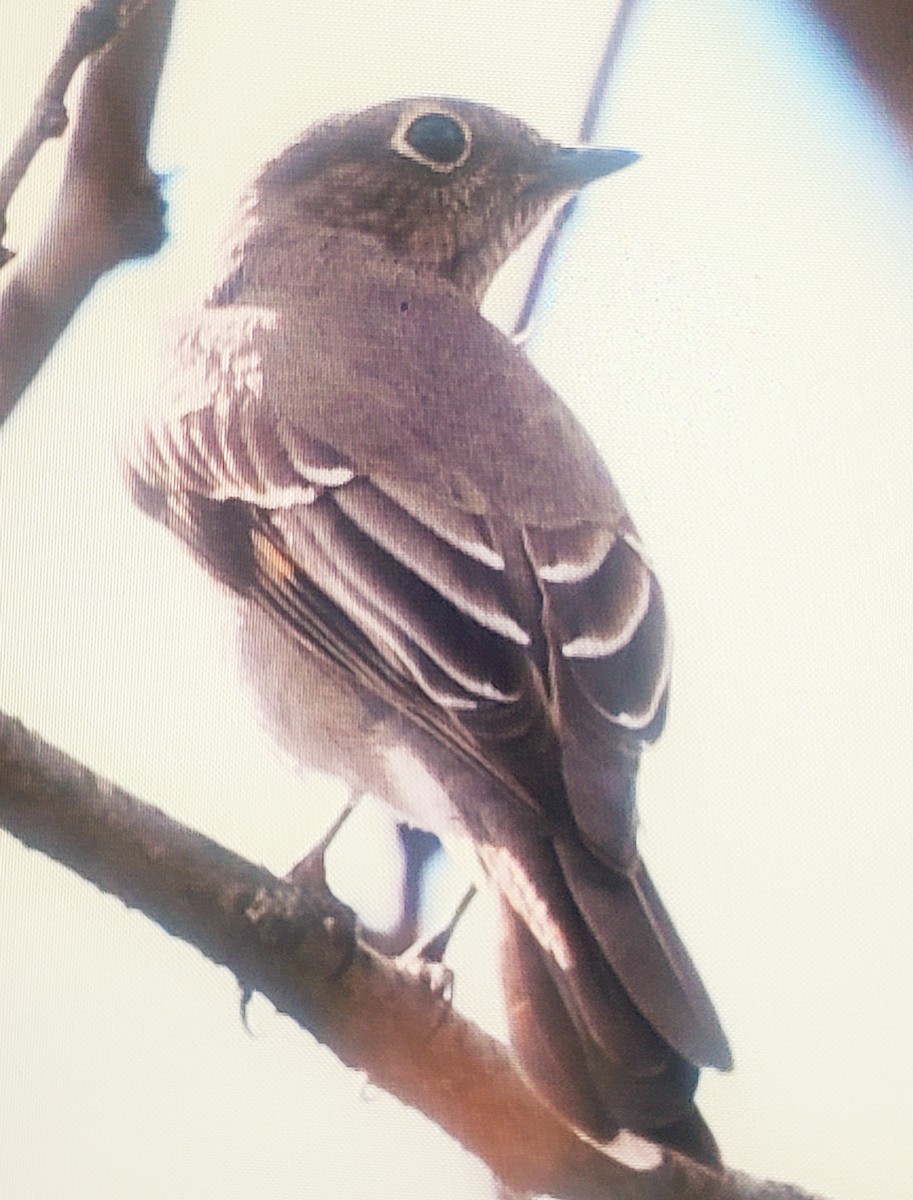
(441, 597)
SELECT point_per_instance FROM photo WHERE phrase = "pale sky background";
(733, 321)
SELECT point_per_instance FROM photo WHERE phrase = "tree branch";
(92, 27)
(108, 207)
(299, 947)
(585, 131)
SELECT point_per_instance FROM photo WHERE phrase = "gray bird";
(442, 597)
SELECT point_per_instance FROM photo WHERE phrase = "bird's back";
(354, 331)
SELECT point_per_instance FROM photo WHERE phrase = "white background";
(732, 320)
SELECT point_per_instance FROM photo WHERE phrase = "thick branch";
(108, 208)
(298, 947)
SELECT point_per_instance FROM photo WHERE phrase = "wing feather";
(418, 578)
(431, 595)
(604, 615)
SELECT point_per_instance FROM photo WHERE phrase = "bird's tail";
(601, 1059)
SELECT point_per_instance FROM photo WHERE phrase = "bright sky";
(733, 321)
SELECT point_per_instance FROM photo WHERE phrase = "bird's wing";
(410, 598)
(410, 592)
(604, 615)
(605, 622)
(427, 603)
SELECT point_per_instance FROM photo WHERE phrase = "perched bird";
(442, 597)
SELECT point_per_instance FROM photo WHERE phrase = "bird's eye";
(436, 139)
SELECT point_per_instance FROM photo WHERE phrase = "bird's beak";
(576, 166)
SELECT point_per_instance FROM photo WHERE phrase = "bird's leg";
(311, 870)
(435, 947)
(425, 958)
(417, 848)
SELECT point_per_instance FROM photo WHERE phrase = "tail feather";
(612, 1031)
(545, 1039)
(630, 924)
(575, 1075)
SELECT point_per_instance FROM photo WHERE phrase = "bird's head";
(446, 186)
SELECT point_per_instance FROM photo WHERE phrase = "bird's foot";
(425, 958)
(436, 976)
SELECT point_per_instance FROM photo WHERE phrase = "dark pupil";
(437, 137)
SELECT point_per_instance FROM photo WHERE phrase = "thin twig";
(585, 132)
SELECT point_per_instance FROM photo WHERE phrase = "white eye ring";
(401, 144)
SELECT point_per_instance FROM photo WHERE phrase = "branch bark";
(299, 947)
(108, 208)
